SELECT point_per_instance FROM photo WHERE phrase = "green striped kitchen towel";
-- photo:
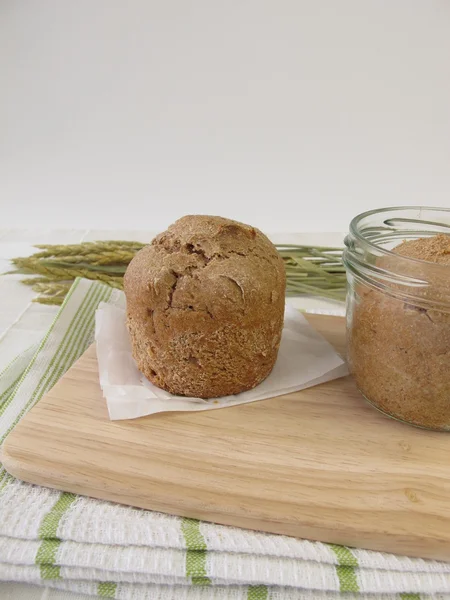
(99, 548)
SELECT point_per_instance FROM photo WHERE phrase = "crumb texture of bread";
(205, 307)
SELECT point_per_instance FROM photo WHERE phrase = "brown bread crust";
(205, 307)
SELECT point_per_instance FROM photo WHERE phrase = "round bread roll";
(205, 307)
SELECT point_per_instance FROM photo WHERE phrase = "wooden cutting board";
(320, 464)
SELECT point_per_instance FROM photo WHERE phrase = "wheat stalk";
(85, 248)
(313, 270)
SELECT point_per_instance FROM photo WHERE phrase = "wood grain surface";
(320, 464)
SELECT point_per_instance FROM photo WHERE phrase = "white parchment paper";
(305, 359)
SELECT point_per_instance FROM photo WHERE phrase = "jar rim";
(357, 234)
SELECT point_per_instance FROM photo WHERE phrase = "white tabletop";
(23, 322)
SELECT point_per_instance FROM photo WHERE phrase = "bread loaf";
(205, 307)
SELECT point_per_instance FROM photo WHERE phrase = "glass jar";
(398, 314)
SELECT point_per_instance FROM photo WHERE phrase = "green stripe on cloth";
(13, 373)
(346, 568)
(49, 526)
(107, 589)
(80, 335)
(75, 330)
(257, 592)
(46, 555)
(71, 347)
(33, 360)
(410, 596)
(6, 400)
(5, 478)
(50, 572)
(345, 556)
(12, 366)
(347, 579)
(8, 391)
(195, 552)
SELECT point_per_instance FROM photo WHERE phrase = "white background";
(293, 115)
